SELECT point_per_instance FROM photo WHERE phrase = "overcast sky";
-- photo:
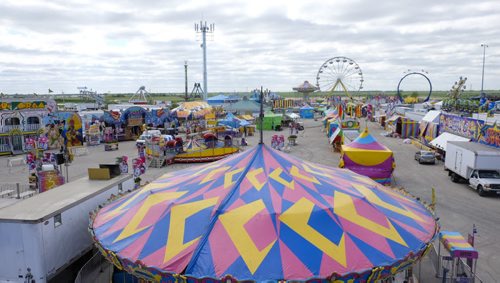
(118, 46)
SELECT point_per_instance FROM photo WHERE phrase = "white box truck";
(475, 163)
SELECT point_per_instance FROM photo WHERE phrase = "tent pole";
(261, 116)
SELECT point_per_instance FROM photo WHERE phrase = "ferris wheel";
(340, 74)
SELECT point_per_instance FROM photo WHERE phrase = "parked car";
(147, 136)
(424, 156)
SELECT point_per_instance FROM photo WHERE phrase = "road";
(458, 206)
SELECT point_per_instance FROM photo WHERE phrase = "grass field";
(175, 98)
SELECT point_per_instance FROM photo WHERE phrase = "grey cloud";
(271, 49)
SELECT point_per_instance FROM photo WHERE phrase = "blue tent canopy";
(307, 112)
(233, 121)
(220, 99)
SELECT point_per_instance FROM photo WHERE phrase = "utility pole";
(186, 80)
(203, 28)
(484, 56)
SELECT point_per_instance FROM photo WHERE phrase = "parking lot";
(458, 206)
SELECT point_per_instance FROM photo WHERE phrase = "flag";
(340, 111)
(50, 91)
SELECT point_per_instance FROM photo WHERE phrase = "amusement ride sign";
(20, 105)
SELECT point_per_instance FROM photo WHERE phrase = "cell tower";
(203, 28)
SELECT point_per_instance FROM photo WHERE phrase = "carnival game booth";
(263, 215)
(112, 118)
(334, 132)
(20, 119)
(429, 126)
(63, 128)
(132, 120)
(307, 112)
(368, 157)
(458, 249)
(271, 121)
(403, 127)
(350, 127)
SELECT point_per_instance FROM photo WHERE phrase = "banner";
(462, 126)
(21, 105)
(490, 135)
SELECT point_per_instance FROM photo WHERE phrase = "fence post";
(18, 190)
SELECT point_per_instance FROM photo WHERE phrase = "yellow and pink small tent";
(368, 157)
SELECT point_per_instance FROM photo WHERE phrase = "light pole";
(484, 56)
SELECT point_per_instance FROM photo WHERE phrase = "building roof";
(45, 205)
(243, 106)
(442, 140)
(477, 147)
(432, 116)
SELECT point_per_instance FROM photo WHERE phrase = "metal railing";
(16, 190)
(7, 128)
(97, 269)
(4, 148)
(469, 275)
(31, 127)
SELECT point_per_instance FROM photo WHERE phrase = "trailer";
(475, 163)
(42, 235)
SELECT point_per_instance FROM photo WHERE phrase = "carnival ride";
(454, 102)
(263, 215)
(87, 94)
(411, 73)
(340, 74)
(206, 149)
(306, 88)
(141, 96)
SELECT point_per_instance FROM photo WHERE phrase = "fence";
(4, 148)
(97, 269)
(16, 190)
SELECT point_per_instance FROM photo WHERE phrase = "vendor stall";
(307, 112)
(271, 121)
(451, 266)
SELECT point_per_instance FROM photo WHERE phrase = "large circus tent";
(365, 156)
(263, 215)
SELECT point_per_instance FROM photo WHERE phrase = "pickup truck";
(484, 181)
